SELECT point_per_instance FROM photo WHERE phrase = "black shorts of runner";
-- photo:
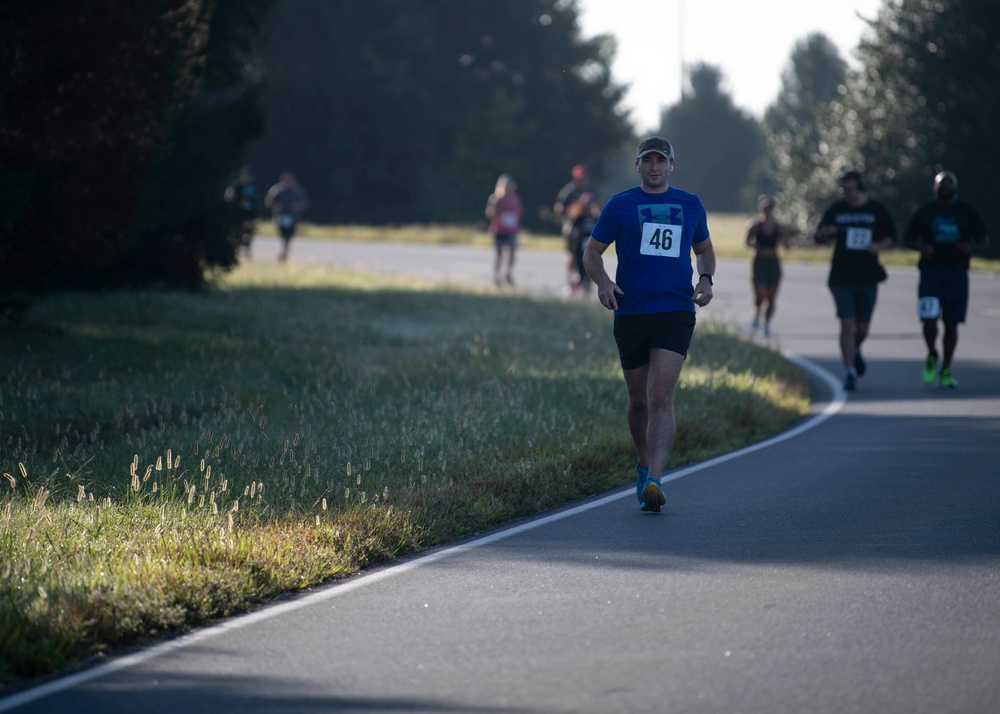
(504, 240)
(636, 335)
(855, 301)
(286, 225)
(766, 270)
(951, 287)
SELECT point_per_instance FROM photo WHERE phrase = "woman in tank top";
(504, 209)
(764, 236)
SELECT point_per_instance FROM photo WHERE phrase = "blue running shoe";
(652, 496)
(641, 476)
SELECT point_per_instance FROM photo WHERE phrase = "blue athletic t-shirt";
(653, 234)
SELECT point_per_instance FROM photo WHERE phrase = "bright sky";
(749, 40)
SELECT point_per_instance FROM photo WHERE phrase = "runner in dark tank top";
(764, 235)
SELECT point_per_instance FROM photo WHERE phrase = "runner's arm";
(705, 262)
(593, 262)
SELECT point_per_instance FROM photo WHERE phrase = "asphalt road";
(854, 567)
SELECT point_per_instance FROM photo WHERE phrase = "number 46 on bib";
(661, 239)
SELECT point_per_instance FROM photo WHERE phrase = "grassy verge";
(167, 459)
(728, 238)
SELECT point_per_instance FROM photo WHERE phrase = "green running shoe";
(930, 367)
(947, 381)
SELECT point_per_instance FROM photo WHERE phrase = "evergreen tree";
(815, 75)
(393, 111)
(117, 124)
(926, 100)
(716, 143)
(185, 230)
(85, 103)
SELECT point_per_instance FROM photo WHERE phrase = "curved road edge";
(823, 410)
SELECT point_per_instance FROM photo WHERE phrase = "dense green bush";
(119, 123)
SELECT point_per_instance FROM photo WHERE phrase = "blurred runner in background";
(860, 228)
(575, 206)
(503, 208)
(287, 200)
(764, 236)
(948, 232)
(244, 195)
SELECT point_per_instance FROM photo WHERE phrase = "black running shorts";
(636, 335)
(857, 301)
(951, 287)
(766, 270)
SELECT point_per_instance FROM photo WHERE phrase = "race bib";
(286, 220)
(661, 239)
(859, 238)
(928, 308)
(508, 219)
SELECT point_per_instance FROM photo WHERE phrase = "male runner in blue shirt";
(654, 227)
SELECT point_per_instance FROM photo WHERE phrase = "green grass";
(168, 459)
(728, 239)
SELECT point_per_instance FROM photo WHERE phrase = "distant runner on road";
(948, 232)
(765, 235)
(245, 197)
(287, 200)
(504, 209)
(577, 205)
(860, 228)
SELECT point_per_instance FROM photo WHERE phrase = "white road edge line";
(335, 590)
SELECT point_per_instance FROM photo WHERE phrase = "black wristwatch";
(711, 281)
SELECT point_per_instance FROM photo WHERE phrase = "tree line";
(921, 102)
(121, 124)
(394, 111)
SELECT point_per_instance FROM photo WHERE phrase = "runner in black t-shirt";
(860, 227)
(947, 232)
(765, 235)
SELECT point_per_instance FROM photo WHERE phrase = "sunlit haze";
(751, 43)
